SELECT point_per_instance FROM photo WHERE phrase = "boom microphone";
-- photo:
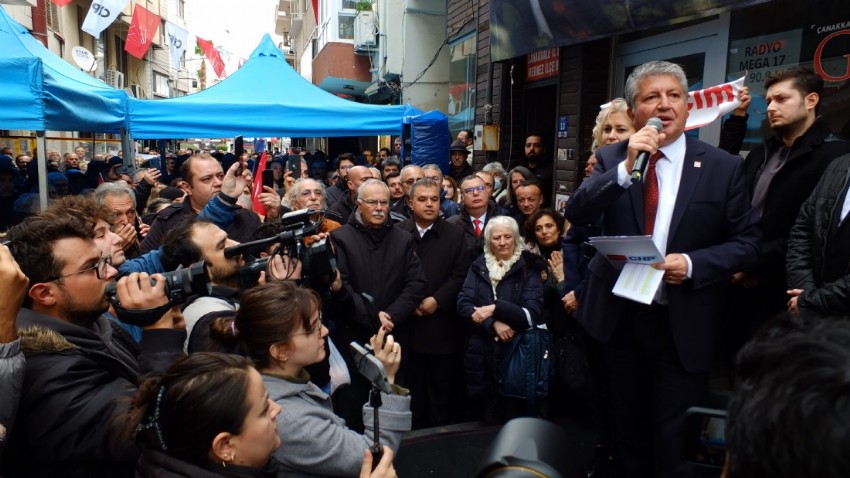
(643, 157)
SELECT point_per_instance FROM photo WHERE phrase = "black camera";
(318, 261)
(180, 285)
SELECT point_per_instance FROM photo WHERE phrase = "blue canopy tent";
(41, 92)
(265, 97)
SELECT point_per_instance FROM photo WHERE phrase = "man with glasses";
(382, 285)
(81, 368)
(344, 163)
(433, 172)
(476, 210)
(409, 175)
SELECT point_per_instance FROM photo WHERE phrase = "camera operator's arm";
(383, 470)
(162, 342)
(11, 358)
(281, 267)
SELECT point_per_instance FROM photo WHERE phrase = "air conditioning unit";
(364, 31)
(139, 91)
(115, 79)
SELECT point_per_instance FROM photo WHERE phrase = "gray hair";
(494, 168)
(113, 189)
(391, 160)
(504, 221)
(299, 185)
(433, 167)
(652, 68)
(370, 182)
(424, 183)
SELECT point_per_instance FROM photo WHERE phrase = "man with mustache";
(382, 285)
(536, 162)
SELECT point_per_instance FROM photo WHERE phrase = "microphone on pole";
(643, 157)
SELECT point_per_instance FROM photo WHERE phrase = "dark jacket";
(474, 244)
(344, 207)
(445, 263)
(810, 155)
(75, 382)
(519, 291)
(338, 190)
(458, 175)
(824, 279)
(156, 464)
(241, 222)
(379, 262)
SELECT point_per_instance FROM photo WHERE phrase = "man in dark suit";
(694, 203)
(435, 369)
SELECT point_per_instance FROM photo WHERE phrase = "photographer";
(279, 325)
(78, 362)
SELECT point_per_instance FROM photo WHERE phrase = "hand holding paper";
(675, 267)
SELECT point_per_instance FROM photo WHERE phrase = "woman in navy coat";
(500, 298)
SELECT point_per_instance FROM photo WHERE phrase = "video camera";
(180, 285)
(318, 261)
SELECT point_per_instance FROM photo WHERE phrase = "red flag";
(316, 10)
(258, 186)
(61, 3)
(213, 56)
(142, 30)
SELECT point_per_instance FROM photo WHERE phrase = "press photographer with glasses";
(79, 363)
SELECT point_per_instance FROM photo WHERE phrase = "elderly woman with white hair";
(500, 298)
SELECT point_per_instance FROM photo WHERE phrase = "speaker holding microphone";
(643, 157)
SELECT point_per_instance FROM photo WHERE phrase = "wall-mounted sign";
(542, 64)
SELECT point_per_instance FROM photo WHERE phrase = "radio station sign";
(542, 64)
(757, 56)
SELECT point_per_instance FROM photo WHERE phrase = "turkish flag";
(141, 32)
(213, 56)
(61, 3)
(258, 186)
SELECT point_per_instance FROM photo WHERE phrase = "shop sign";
(757, 56)
(542, 64)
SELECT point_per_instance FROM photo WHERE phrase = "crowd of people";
(108, 372)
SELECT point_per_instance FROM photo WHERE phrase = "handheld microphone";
(643, 157)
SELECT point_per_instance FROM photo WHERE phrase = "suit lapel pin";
(697, 164)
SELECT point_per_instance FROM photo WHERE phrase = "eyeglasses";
(345, 168)
(434, 178)
(473, 189)
(411, 180)
(375, 202)
(317, 329)
(100, 268)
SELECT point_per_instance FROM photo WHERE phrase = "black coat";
(824, 280)
(242, 228)
(156, 464)
(518, 292)
(445, 261)
(77, 381)
(379, 262)
(810, 155)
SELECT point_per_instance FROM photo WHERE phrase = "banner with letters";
(708, 104)
(177, 37)
(101, 14)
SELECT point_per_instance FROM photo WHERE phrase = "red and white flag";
(142, 30)
(258, 185)
(213, 56)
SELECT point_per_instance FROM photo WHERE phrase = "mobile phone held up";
(705, 436)
(293, 165)
(268, 178)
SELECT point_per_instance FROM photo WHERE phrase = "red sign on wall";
(542, 64)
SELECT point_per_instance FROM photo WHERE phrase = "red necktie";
(477, 223)
(650, 194)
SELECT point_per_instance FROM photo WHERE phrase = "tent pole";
(128, 150)
(41, 162)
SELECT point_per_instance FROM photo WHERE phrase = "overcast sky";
(234, 25)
